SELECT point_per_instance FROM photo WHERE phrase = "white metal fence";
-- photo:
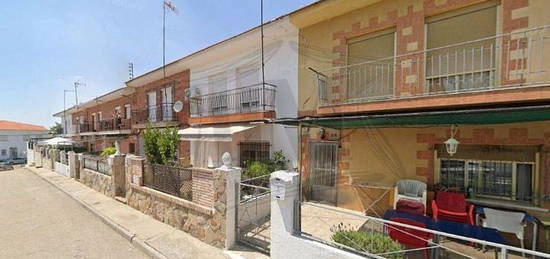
(502, 61)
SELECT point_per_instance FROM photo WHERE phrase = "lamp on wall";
(452, 144)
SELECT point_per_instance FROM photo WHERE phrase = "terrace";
(256, 99)
(511, 62)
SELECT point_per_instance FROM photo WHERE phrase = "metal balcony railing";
(104, 125)
(502, 61)
(253, 98)
(157, 113)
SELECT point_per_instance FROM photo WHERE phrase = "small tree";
(160, 146)
(56, 129)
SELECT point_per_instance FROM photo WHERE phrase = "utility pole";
(172, 7)
(262, 42)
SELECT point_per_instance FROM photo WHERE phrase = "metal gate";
(254, 213)
(323, 166)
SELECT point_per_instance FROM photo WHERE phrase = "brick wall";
(181, 83)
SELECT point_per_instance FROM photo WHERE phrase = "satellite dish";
(178, 106)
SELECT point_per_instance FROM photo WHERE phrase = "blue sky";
(47, 45)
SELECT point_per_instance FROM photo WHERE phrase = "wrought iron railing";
(104, 125)
(98, 164)
(157, 113)
(168, 179)
(253, 98)
(502, 61)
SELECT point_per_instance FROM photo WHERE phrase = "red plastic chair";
(452, 206)
(410, 238)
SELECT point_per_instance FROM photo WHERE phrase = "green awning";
(456, 117)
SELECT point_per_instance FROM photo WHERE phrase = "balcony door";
(457, 57)
(217, 98)
(370, 66)
(167, 102)
(152, 106)
(249, 88)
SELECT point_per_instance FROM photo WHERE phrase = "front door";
(152, 106)
(323, 166)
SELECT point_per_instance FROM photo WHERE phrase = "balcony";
(108, 125)
(503, 62)
(155, 114)
(258, 98)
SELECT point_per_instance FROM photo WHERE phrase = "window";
(127, 111)
(250, 95)
(466, 65)
(3, 138)
(500, 179)
(118, 112)
(371, 62)
(4, 152)
(253, 151)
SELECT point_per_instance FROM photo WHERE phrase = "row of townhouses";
(360, 95)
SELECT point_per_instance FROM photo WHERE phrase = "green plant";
(277, 162)
(160, 146)
(108, 151)
(257, 168)
(371, 242)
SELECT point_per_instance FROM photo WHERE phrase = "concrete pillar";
(74, 165)
(51, 162)
(232, 180)
(284, 197)
(118, 174)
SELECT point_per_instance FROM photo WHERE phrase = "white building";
(229, 103)
(14, 137)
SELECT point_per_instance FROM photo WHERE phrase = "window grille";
(499, 179)
(253, 151)
(323, 163)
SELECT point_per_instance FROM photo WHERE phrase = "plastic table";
(455, 228)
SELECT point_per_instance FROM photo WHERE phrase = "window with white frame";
(118, 112)
(3, 152)
(497, 179)
(127, 111)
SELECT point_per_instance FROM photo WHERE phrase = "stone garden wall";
(204, 218)
(97, 181)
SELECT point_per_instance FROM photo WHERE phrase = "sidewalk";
(155, 238)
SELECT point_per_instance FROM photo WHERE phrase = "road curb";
(131, 237)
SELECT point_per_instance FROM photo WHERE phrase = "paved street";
(39, 221)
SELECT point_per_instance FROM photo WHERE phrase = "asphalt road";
(39, 221)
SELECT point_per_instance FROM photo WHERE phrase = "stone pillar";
(135, 170)
(118, 174)
(231, 187)
(74, 165)
(51, 162)
(284, 197)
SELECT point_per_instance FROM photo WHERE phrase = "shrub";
(108, 151)
(257, 168)
(371, 242)
(160, 146)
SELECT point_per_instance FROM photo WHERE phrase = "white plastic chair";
(505, 221)
(410, 190)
